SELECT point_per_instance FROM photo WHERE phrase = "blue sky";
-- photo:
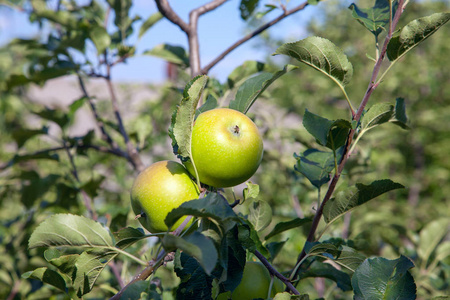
(217, 30)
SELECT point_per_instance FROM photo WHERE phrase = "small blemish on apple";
(236, 129)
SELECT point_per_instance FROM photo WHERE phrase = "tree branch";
(275, 273)
(259, 30)
(133, 155)
(167, 11)
(357, 117)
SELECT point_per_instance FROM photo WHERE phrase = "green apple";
(254, 284)
(226, 147)
(157, 190)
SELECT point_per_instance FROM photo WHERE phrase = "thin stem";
(249, 36)
(133, 155)
(136, 259)
(274, 272)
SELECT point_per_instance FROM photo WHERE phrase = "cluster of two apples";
(226, 148)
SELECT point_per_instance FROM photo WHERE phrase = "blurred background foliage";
(36, 183)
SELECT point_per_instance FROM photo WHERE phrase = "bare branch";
(275, 273)
(133, 155)
(259, 30)
(167, 11)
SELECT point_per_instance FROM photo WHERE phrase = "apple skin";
(254, 284)
(157, 190)
(226, 147)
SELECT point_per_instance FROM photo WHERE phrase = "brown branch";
(167, 11)
(259, 30)
(133, 155)
(275, 273)
(372, 86)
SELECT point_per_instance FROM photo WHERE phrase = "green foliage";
(66, 229)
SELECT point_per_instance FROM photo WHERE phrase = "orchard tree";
(68, 234)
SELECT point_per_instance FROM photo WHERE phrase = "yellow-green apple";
(254, 284)
(157, 190)
(226, 147)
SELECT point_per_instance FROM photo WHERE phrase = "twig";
(372, 86)
(259, 30)
(116, 273)
(275, 273)
(167, 11)
(133, 155)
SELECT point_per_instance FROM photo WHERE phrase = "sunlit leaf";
(174, 54)
(431, 235)
(322, 55)
(414, 33)
(375, 18)
(152, 20)
(260, 214)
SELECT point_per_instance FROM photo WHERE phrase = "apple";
(226, 147)
(254, 284)
(157, 190)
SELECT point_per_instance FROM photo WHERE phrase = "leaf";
(195, 245)
(209, 104)
(283, 226)
(323, 270)
(352, 197)
(213, 206)
(377, 114)
(21, 135)
(260, 215)
(152, 20)
(249, 238)
(100, 38)
(89, 266)
(251, 191)
(69, 231)
(47, 276)
(332, 134)
(180, 130)
(173, 54)
(400, 117)
(128, 236)
(195, 283)
(253, 87)
(75, 106)
(137, 290)
(430, 236)
(275, 248)
(247, 69)
(56, 116)
(247, 7)
(315, 165)
(375, 18)
(380, 278)
(322, 55)
(122, 20)
(414, 33)
(66, 264)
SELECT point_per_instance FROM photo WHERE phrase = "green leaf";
(183, 117)
(195, 245)
(414, 33)
(323, 270)
(380, 278)
(346, 200)
(69, 231)
(283, 226)
(137, 290)
(247, 7)
(195, 283)
(122, 20)
(66, 264)
(377, 114)
(128, 236)
(75, 106)
(332, 134)
(400, 117)
(47, 276)
(89, 265)
(249, 238)
(375, 18)
(322, 55)
(430, 236)
(315, 165)
(100, 37)
(53, 115)
(21, 135)
(275, 248)
(213, 206)
(260, 214)
(251, 191)
(152, 20)
(253, 87)
(245, 70)
(174, 54)
(209, 104)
